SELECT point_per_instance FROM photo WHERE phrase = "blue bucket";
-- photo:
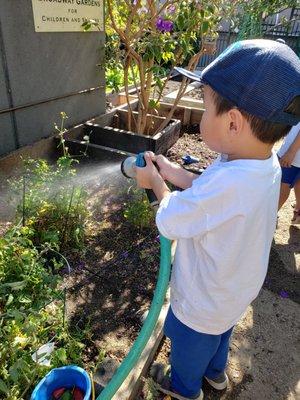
(67, 377)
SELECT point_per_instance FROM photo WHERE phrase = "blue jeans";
(194, 355)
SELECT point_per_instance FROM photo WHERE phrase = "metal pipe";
(7, 110)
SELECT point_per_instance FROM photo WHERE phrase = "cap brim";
(188, 74)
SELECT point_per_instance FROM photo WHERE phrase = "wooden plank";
(187, 116)
(186, 101)
(189, 88)
(122, 98)
(117, 99)
(179, 113)
(121, 139)
(196, 116)
(152, 123)
(167, 137)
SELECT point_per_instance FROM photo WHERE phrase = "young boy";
(289, 154)
(224, 220)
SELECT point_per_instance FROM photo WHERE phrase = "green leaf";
(152, 103)
(3, 387)
(61, 354)
(10, 300)
(15, 285)
(205, 26)
(16, 314)
(180, 22)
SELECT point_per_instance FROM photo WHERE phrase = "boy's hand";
(287, 159)
(165, 166)
(145, 176)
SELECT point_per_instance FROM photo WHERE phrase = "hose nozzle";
(128, 169)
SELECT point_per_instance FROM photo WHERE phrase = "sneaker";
(219, 383)
(177, 396)
(161, 376)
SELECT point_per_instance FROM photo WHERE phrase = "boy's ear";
(236, 121)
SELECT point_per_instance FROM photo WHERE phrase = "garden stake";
(67, 217)
(24, 194)
(64, 308)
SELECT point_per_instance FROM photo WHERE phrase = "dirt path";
(287, 238)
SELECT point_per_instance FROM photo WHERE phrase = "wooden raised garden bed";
(108, 133)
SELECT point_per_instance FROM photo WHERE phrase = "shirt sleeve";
(180, 216)
(209, 202)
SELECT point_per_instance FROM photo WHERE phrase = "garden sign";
(66, 15)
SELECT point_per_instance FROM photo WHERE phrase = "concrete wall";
(41, 70)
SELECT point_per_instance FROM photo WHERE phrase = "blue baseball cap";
(259, 76)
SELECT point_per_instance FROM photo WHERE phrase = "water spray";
(128, 169)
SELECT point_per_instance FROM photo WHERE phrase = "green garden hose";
(159, 296)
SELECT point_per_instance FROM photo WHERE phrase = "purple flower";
(171, 9)
(157, 238)
(159, 24)
(164, 25)
(142, 10)
(168, 25)
(284, 294)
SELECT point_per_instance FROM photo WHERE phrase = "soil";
(171, 86)
(196, 94)
(112, 282)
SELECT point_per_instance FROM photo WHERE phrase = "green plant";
(114, 72)
(151, 37)
(114, 76)
(251, 14)
(138, 210)
(26, 286)
(32, 300)
(31, 314)
(52, 205)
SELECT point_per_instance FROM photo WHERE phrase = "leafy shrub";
(138, 210)
(24, 280)
(53, 212)
(31, 314)
(25, 288)
(51, 205)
